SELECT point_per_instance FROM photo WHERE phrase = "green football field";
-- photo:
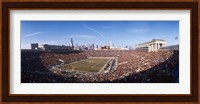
(90, 64)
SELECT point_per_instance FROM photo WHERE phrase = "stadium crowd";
(132, 66)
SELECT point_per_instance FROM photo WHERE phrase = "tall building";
(76, 47)
(92, 47)
(72, 43)
(110, 44)
(130, 47)
(34, 46)
(88, 46)
(84, 47)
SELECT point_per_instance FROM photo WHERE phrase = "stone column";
(150, 47)
(158, 46)
(153, 48)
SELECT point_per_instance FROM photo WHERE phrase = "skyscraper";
(92, 47)
(110, 44)
(72, 44)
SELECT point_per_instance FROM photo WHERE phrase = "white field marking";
(104, 66)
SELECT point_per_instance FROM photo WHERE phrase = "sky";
(121, 33)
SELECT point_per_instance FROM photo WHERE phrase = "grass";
(89, 65)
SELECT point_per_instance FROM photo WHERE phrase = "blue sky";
(121, 33)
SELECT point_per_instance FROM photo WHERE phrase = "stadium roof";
(157, 40)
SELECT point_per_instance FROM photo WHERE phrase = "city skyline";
(121, 33)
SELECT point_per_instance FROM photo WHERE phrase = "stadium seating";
(133, 67)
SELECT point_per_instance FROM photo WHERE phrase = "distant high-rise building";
(110, 44)
(77, 47)
(92, 46)
(88, 46)
(72, 43)
(84, 47)
(34, 46)
(80, 48)
(130, 47)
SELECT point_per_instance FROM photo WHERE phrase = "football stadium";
(99, 52)
(100, 66)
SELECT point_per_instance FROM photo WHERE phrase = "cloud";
(108, 27)
(137, 30)
(93, 30)
(33, 34)
(84, 36)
